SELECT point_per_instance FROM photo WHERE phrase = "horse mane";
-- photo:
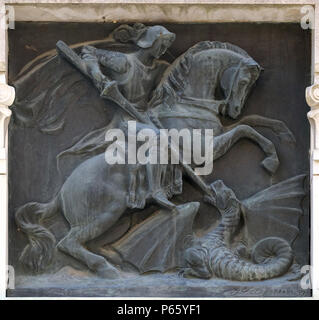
(205, 45)
(172, 82)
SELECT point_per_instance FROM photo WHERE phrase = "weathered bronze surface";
(244, 222)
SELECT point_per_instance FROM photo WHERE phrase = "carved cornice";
(7, 95)
(312, 98)
(312, 92)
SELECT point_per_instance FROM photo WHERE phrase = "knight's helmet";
(143, 36)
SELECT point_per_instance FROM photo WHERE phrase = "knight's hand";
(88, 50)
(210, 199)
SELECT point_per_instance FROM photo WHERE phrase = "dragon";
(212, 255)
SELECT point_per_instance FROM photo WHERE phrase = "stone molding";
(159, 11)
(187, 2)
(7, 94)
(312, 97)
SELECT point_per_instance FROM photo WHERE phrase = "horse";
(212, 79)
(93, 197)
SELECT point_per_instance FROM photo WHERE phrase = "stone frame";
(152, 11)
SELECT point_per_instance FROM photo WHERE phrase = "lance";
(111, 92)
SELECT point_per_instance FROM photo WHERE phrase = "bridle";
(245, 61)
(233, 81)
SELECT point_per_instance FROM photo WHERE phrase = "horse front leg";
(225, 141)
(278, 127)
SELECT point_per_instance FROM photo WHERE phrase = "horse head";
(211, 72)
(236, 83)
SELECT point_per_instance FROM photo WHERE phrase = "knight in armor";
(137, 74)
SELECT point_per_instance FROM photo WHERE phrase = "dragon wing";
(275, 211)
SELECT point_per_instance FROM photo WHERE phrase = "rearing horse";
(93, 198)
(211, 79)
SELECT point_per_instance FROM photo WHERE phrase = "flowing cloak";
(47, 87)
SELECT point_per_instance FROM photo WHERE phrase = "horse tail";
(39, 251)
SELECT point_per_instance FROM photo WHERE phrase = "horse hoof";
(271, 165)
(108, 273)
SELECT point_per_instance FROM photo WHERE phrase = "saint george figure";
(136, 74)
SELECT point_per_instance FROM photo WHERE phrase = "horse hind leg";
(74, 244)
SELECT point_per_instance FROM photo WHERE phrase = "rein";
(232, 84)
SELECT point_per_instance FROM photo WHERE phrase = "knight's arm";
(113, 60)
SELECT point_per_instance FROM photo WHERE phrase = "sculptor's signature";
(264, 292)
